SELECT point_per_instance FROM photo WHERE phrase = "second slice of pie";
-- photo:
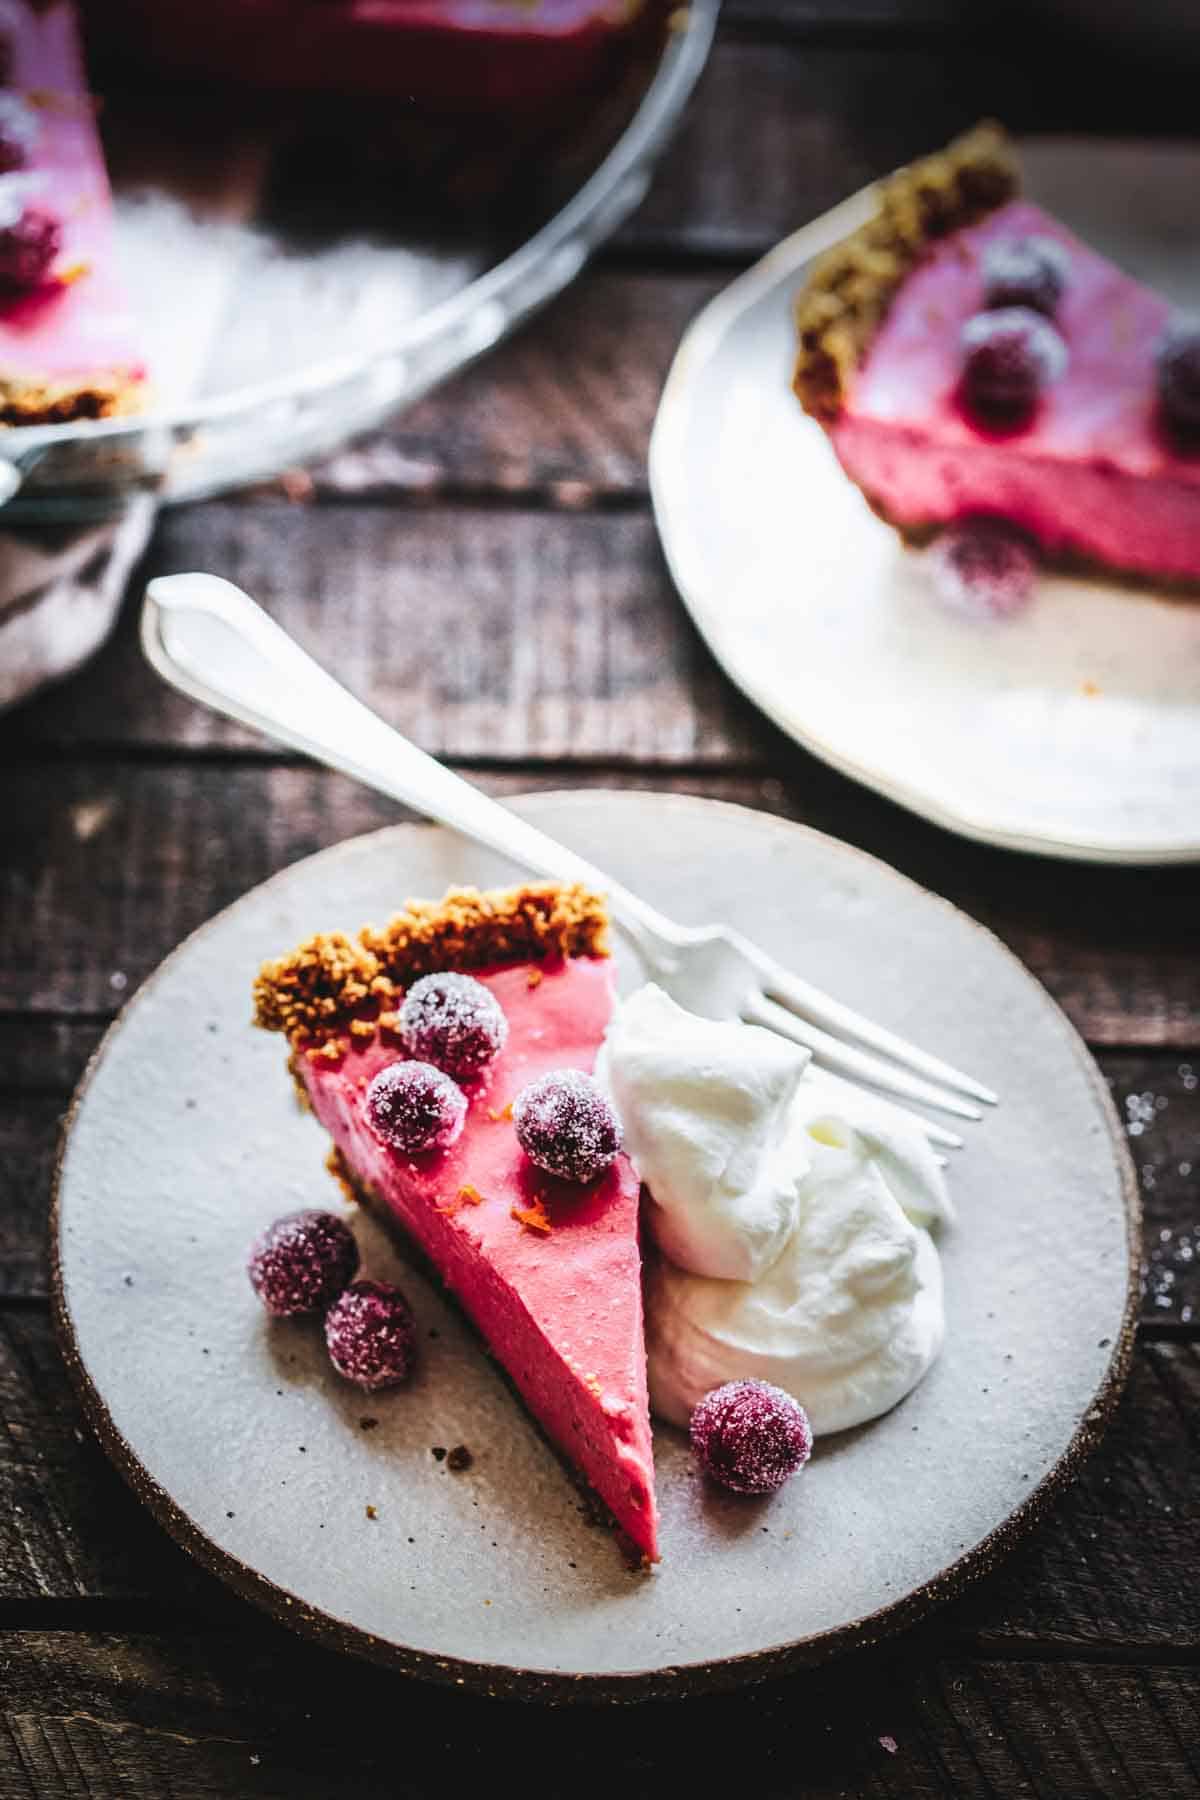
(956, 275)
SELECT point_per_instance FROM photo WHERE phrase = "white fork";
(210, 640)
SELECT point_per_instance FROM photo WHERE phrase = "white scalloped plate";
(1073, 729)
(185, 1140)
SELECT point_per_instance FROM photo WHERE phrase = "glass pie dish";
(295, 293)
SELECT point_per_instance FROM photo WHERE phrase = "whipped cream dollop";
(791, 1215)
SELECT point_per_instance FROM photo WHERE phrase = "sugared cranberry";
(1025, 271)
(28, 246)
(983, 568)
(415, 1107)
(18, 132)
(1009, 357)
(454, 1022)
(1178, 368)
(751, 1436)
(566, 1125)
(302, 1262)
(370, 1335)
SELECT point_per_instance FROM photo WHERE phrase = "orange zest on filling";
(505, 1112)
(532, 1217)
(73, 272)
(466, 1196)
(533, 979)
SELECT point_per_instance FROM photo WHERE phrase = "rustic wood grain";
(777, 132)
(1157, 1098)
(42, 1057)
(880, 19)
(112, 862)
(29, 1128)
(561, 413)
(511, 635)
(103, 1716)
(70, 1528)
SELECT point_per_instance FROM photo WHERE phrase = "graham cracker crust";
(29, 402)
(849, 289)
(334, 983)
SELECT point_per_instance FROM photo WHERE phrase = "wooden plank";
(43, 1057)
(560, 413)
(827, 18)
(1157, 1099)
(110, 863)
(29, 1128)
(253, 1714)
(508, 635)
(777, 132)
(71, 1528)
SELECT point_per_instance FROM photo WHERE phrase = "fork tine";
(857, 1065)
(937, 1134)
(834, 1019)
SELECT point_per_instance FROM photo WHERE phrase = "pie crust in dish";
(69, 346)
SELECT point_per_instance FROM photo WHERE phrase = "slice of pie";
(68, 343)
(548, 1270)
(463, 55)
(1088, 460)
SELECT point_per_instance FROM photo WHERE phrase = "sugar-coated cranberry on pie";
(969, 356)
(501, 1000)
(69, 346)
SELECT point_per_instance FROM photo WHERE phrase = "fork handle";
(215, 644)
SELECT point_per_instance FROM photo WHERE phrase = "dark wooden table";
(486, 574)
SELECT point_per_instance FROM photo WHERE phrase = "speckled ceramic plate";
(1072, 729)
(185, 1139)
